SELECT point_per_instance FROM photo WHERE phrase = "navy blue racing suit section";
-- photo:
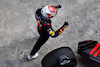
(42, 39)
(53, 33)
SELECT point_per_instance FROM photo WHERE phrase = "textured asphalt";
(18, 29)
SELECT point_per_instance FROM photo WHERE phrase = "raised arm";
(53, 33)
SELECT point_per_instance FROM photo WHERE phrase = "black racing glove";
(66, 24)
(58, 6)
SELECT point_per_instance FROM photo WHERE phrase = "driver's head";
(47, 12)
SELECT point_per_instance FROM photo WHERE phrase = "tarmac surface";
(18, 29)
